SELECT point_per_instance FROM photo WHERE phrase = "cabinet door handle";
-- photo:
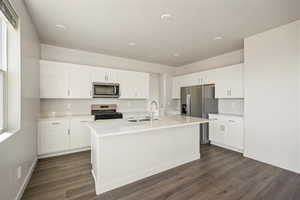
(55, 123)
(68, 131)
(83, 121)
(229, 92)
(222, 128)
(68, 92)
(231, 121)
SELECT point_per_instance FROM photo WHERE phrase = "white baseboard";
(105, 187)
(26, 180)
(63, 153)
(227, 147)
(271, 163)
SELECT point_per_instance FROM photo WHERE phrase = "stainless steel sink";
(141, 119)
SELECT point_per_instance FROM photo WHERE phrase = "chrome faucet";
(151, 109)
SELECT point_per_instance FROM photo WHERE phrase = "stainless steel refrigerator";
(199, 101)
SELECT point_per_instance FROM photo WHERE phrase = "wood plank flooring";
(220, 174)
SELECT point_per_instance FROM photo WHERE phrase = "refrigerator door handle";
(188, 104)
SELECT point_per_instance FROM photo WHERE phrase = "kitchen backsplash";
(231, 106)
(50, 107)
(225, 106)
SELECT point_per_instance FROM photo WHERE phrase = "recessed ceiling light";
(166, 16)
(131, 43)
(218, 38)
(176, 54)
(60, 27)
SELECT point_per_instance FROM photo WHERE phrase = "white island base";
(128, 156)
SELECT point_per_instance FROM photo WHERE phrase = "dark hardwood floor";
(220, 174)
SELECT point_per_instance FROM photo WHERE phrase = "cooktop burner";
(105, 111)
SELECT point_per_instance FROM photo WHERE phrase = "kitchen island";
(123, 152)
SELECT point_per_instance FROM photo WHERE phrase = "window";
(3, 73)
(10, 71)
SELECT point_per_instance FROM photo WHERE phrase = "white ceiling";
(107, 26)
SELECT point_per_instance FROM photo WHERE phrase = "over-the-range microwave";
(106, 90)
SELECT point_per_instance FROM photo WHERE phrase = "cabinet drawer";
(53, 136)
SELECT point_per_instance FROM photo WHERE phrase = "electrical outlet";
(19, 172)
(69, 106)
(129, 104)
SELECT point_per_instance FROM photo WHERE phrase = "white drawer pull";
(83, 121)
(222, 128)
(55, 123)
(231, 121)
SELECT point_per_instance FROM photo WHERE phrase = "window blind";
(9, 12)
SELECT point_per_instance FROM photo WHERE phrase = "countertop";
(228, 115)
(63, 117)
(116, 127)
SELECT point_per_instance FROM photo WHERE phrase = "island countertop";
(114, 127)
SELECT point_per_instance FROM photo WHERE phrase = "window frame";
(3, 71)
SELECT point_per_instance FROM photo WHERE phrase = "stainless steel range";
(105, 111)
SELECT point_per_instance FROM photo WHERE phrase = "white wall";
(272, 97)
(20, 148)
(227, 59)
(55, 53)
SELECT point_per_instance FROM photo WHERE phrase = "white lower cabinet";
(53, 136)
(63, 135)
(79, 133)
(227, 131)
(235, 136)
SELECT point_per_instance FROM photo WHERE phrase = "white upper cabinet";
(142, 87)
(228, 81)
(99, 75)
(53, 80)
(210, 77)
(104, 75)
(64, 80)
(80, 83)
(176, 87)
(134, 85)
